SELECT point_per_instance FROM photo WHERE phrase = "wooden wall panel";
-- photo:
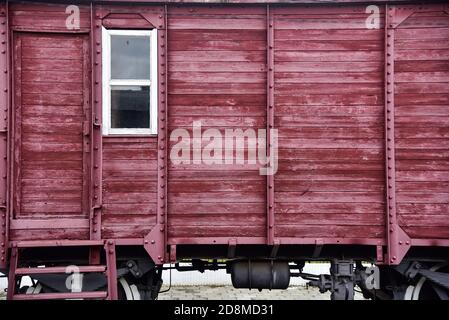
(45, 16)
(421, 124)
(329, 113)
(129, 186)
(217, 75)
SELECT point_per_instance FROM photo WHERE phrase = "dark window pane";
(130, 57)
(130, 107)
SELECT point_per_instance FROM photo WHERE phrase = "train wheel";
(36, 289)
(127, 291)
(426, 289)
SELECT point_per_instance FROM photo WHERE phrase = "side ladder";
(109, 270)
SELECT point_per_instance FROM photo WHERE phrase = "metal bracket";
(379, 254)
(275, 248)
(232, 245)
(318, 247)
(154, 244)
(399, 246)
(399, 15)
(156, 20)
(173, 253)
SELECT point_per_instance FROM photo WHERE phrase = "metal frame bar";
(63, 270)
(4, 133)
(270, 124)
(111, 271)
(61, 295)
(56, 243)
(155, 242)
(279, 241)
(96, 160)
(398, 241)
(12, 273)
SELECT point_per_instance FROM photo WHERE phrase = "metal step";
(62, 295)
(50, 270)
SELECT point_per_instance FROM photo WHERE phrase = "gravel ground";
(229, 293)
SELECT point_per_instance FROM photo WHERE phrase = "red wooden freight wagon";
(247, 135)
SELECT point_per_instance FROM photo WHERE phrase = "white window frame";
(108, 82)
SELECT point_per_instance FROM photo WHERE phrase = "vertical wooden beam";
(96, 158)
(398, 241)
(4, 118)
(111, 269)
(270, 123)
(155, 242)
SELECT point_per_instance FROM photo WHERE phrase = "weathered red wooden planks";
(207, 51)
(422, 100)
(49, 166)
(328, 97)
(330, 121)
(129, 200)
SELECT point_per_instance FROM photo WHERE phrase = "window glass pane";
(130, 106)
(130, 57)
